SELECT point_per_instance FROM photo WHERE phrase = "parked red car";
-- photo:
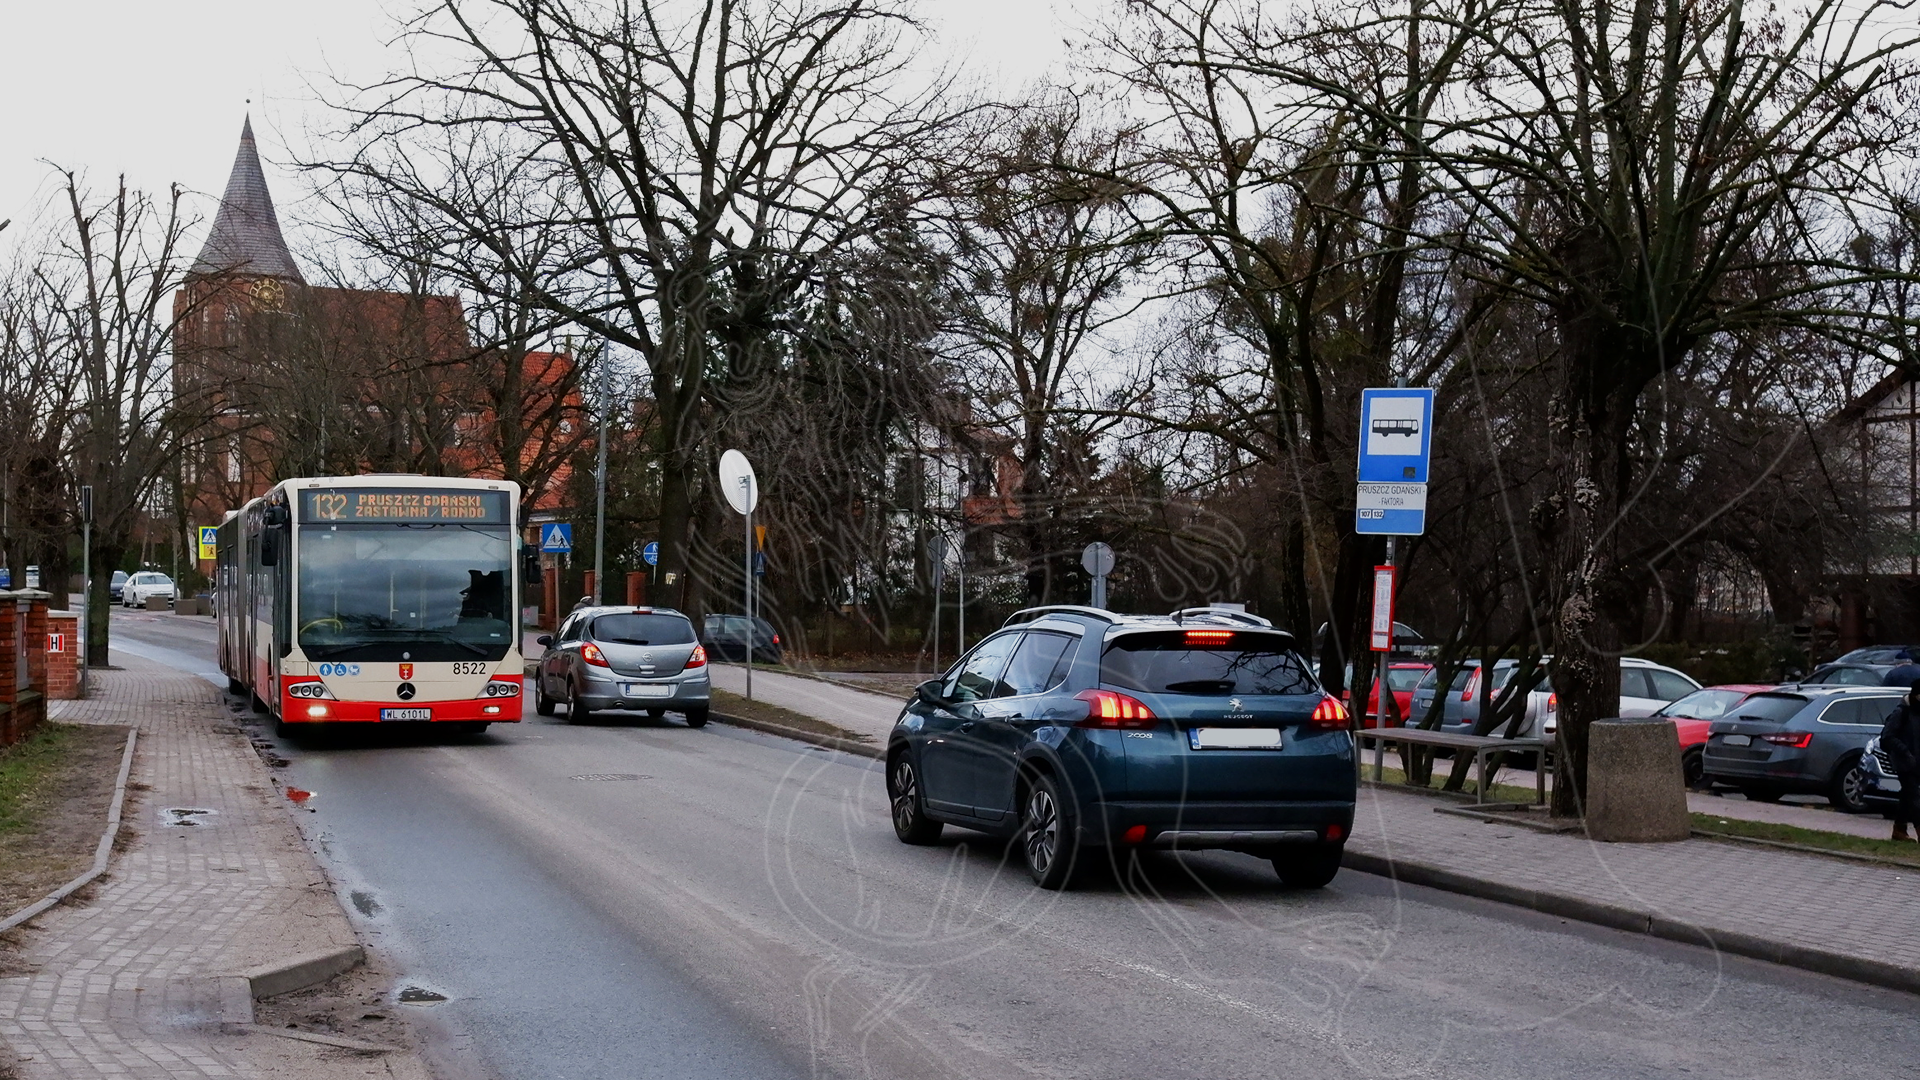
(1694, 714)
(1401, 679)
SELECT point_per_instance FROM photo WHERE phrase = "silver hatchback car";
(636, 659)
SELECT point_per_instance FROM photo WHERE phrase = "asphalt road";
(740, 908)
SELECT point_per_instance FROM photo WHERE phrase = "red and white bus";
(375, 599)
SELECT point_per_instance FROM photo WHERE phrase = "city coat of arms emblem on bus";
(406, 672)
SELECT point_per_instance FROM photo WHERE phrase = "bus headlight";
(500, 688)
(312, 689)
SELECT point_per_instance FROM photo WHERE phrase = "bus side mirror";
(530, 574)
(270, 547)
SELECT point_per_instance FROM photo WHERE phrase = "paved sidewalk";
(140, 980)
(857, 711)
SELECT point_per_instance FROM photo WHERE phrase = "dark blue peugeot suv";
(1081, 732)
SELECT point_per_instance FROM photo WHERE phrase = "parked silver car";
(636, 659)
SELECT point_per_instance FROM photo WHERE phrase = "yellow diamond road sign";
(208, 536)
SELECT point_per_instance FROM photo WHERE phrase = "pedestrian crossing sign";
(209, 536)
(556, 536)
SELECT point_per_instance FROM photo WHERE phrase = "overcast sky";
(157, 88)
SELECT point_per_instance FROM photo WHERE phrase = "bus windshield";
(429, 591)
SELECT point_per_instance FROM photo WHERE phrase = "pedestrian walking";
(1900, 738)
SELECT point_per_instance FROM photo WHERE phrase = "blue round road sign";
(651, 553)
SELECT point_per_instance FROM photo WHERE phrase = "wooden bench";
(1481, 746)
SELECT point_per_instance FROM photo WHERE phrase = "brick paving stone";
(1866, 911)
(127, 983)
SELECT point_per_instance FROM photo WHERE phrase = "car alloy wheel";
(1849, 791)
(1046, 835)
(910, 821)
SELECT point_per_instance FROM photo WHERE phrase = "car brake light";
(591, 654)
(1553, 702)
(1106, 709)
(1473, 683)
(1796, 739)
(1209, 637)
(1335, 832)
(1329, 715)
(699, 657)
(776, 639)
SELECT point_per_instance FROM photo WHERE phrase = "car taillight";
(591, 654)
(699, 657)
(1795, 739)
(776, 639)
(1329, 715)
(1209, 638)
(1473, 683)
(1106, 709)
(1553, 702)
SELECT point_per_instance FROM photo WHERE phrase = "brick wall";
(23, 664)
(63, 667)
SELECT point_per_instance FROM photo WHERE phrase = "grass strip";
(27, 768)
(735, 705)
(1904, 852)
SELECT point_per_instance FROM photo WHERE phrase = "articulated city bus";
(390, 599)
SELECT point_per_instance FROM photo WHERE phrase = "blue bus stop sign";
(1396, 445)
(651, 553)
(556, 536)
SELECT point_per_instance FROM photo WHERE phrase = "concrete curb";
(1820, 961)
(302, 972)
(101, 852)
(831, 742)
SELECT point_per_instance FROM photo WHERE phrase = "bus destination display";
(405, 505)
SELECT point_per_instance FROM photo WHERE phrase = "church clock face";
(268, 294)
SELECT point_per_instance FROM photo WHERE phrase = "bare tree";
(703, 157)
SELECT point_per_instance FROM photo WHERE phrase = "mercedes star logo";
(405, 691)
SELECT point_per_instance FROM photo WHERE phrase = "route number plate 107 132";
(406, 714)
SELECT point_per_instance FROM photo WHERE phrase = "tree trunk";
(107, 553)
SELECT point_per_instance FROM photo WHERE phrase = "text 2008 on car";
(1076, 729)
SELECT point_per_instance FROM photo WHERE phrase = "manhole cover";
(420, 995)
(187, 816)
(609, 776)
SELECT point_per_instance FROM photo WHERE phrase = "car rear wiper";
(1200, 686)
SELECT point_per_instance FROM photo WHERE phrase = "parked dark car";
(1799, 739)
(114, 586)
(1076, 730)
(725, 637)
(631, 658)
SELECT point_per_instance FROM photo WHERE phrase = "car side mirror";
(544, 640)
(928, 693)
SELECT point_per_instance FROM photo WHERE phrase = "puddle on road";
(185, 817)
(364, 902)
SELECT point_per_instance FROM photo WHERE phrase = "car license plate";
(1234, 738)
(649, 689)
(1737, 740)
(406, 714)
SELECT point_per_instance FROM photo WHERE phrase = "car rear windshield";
(631, 629)
(1206, 662)
(1777, 708)
(1404, 678)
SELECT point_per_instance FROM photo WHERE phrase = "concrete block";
(1635, 790)
(303, 971)
(159, 603)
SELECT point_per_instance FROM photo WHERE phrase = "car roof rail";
(1029, 614)
(1229, 614)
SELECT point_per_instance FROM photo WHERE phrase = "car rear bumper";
(1792, 769)
(689, 691)
(1236, 826)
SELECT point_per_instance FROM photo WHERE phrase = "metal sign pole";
(750, 628)
(600, 486)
